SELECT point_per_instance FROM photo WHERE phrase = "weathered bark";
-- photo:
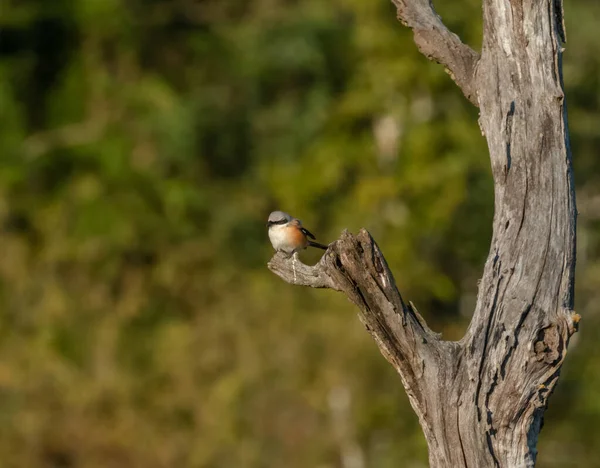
(481, 401)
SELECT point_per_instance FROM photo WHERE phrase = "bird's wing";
(306, 232)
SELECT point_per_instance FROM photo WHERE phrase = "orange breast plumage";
(296, 237)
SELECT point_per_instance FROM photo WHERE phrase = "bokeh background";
(143, 144)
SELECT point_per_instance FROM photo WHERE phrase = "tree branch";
(438, 43)
(293, 271)
(355, 266)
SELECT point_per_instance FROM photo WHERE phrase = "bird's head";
(278, 217)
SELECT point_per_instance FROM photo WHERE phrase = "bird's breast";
(287, 238)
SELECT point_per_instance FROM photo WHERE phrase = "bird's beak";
(268, 223)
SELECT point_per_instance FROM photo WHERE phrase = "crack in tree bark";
(508, 126)
(480, 401)
(462, 447)
(485, 347)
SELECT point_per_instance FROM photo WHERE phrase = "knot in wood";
(549, 345)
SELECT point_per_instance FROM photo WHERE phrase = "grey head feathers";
(278, 217)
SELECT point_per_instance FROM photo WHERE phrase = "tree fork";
(481, 400)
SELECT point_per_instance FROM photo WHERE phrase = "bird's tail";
(317, 245)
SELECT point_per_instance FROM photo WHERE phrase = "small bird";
(287, 234)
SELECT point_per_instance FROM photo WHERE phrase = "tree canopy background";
(143, 144)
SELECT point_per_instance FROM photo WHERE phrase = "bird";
(287, 234)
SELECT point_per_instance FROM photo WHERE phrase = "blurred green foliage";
(144, 142)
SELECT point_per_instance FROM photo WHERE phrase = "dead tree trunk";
(481, 400)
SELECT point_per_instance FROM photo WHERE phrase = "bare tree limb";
(293, 271)
(355, 266)
(438, 43)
